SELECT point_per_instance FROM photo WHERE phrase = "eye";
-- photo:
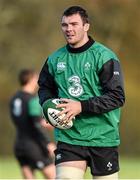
(74, 24)
(64, 25)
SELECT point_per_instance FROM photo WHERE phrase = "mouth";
(69, 36)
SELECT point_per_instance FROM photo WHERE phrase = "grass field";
(130, 169)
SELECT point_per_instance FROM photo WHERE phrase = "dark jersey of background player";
(31, 141)
(26, 117)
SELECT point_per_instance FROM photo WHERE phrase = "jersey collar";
(82, 48)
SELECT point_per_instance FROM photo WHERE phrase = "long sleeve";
(47, 85)
(113, 96)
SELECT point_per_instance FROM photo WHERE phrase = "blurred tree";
(30, 30)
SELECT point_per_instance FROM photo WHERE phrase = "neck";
(83, 48)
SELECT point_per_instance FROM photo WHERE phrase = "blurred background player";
(32, 148)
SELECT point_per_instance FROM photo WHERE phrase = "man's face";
(74, 29)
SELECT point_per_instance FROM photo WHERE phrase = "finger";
(66, 120)
(61, 105)
(65, 100)
(72, 117)
(63, 112)
(69, 114)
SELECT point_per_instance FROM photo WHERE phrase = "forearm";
(103, 104)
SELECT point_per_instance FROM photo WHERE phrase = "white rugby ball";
(51, 114)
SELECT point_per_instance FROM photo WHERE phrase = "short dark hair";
(77, 10)
(25, 75)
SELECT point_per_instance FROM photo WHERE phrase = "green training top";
(77, 77)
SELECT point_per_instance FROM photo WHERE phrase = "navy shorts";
(33, 155)
(101, 160)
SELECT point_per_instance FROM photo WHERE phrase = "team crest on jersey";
(61, 66)
(87, 66)
(76, 88)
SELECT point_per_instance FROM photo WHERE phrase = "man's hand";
(51, 148)
(44, 123)
(71, 109)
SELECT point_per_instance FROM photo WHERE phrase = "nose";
(69, 27)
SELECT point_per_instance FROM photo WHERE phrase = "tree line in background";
(30, 31)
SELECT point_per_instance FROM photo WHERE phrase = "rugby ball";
(51, 114)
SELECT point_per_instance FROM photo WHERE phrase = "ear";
(86, 26)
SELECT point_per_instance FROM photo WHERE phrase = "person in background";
(33, 148)
(87, 76)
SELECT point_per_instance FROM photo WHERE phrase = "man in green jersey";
(32, 147)
(87, 76)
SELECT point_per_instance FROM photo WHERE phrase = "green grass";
(130, 169)
(9, 169)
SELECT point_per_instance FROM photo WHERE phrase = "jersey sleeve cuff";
(84, 105)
